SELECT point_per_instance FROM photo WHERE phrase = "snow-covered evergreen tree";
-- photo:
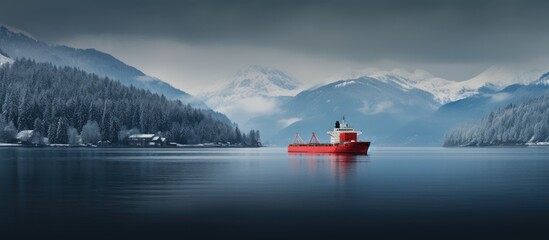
(24, 114)
(9, 132)
(61, 135)
(3, 124)
(38, 126)
(91, 133)
(72, 136)
(512, 125)
(52, 133)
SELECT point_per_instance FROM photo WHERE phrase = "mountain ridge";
(22, 45)
(479, 95)
(430, 129)
(369, 104)
(445, 91)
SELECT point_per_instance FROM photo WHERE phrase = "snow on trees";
(72, 136)
(91, 133)
(515, 124)
(55, 100)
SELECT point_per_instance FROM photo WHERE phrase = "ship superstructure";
(343, 133)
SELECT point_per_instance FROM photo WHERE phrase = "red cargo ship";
(343, 139)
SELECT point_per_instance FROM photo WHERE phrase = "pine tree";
(252, 139)
(38, 126)
(257, 138)
(3, 124)
(91, 133)
(72, 136)
(10, 132)
(238, 135)
(52, 133)
(9, 108)
(245, 141)
(24, 120)
(61, 135)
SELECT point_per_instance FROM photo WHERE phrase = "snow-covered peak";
(415, 76)
(345, 83)
(252, 92)
(404, 78)
(260, 81)
(416, 79)
(9, 31)
(495, 77)
(4, 59)
(399, 73)
(543, 80)
(443, 90)
(499, 77)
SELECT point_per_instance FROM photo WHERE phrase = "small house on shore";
(29, 137)
(146, 140)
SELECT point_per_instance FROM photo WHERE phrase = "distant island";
(46, 105)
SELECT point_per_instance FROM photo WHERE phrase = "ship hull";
(347, 147)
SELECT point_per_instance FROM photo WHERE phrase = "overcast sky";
(196, 44)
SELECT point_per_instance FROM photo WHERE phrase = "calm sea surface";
(263, 193)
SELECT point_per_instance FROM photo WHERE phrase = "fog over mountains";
(396, 107)
(251, 92)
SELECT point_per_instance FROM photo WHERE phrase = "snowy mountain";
(18, 44)
(399, 107)
(543, 80)
(500, 77)
(256, 81)
(4, 58)
(445, 91)
(396, 107)
(495, 78)
(418, 79)
(430, 129)
(377, 107)
(252, 91)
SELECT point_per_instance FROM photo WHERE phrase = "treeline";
(66, 104)
(512, 125)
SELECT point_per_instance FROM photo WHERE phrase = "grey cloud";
(410, 31)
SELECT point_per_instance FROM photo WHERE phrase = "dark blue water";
(266, 193)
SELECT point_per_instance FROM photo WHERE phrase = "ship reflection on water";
(341, 166)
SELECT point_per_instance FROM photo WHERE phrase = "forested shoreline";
(526, 123)
(65, 105)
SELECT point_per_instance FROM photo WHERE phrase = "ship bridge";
(342, 132)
